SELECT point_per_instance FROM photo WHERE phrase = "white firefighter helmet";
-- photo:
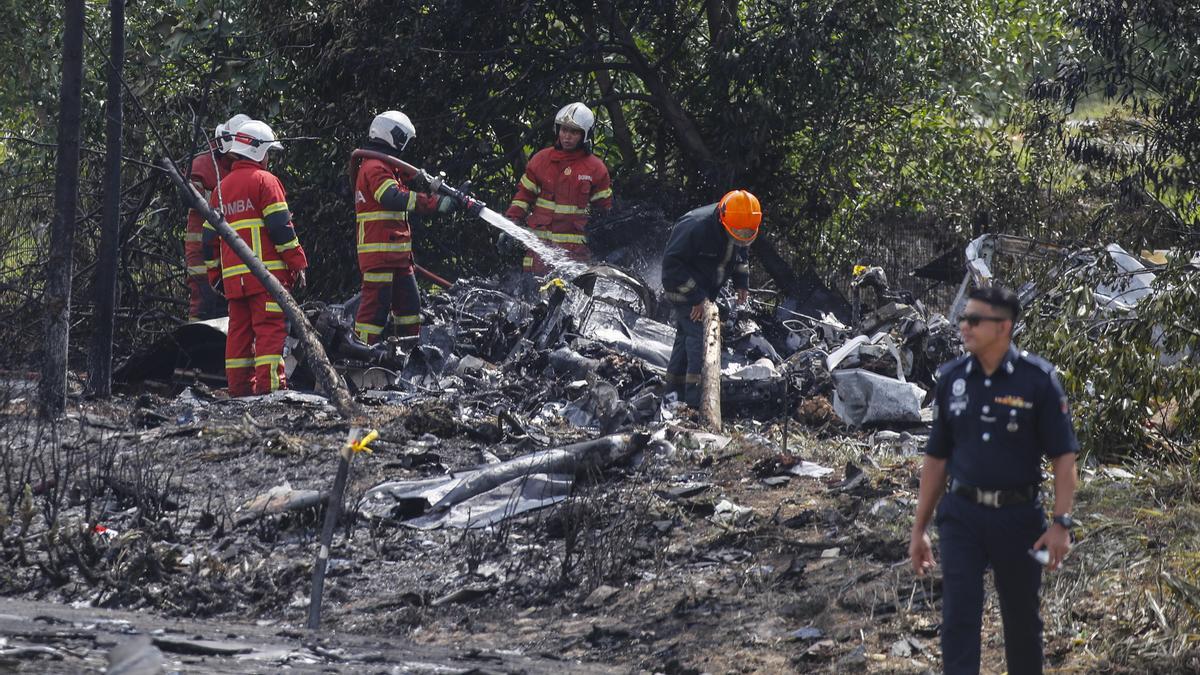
(575, 116)
(392, 127)
(226, 129)
(253, 139)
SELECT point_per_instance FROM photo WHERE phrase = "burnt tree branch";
(669, 107)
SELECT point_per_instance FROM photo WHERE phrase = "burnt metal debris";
(526, 460)
(593, 351)
(542, 366)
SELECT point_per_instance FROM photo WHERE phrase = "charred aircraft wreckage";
(591, 353)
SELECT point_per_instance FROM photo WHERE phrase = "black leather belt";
(994, 498)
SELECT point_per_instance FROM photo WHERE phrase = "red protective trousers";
(254, 346)
(391, 291)
(207, 169)
(197, 272)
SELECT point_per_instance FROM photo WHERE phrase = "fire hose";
(437, 185)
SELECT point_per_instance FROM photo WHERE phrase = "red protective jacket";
(384, 236)
(561, 187)
(255, 206)
(205, 176)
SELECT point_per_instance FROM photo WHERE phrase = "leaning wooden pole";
(333, 511)
(318, 360)
(710, 371)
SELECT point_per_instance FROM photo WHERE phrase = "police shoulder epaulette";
(951, 365)
(1036, 361)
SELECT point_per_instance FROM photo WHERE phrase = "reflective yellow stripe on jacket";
(242, 269)
(566, 209)
(383, 188)
(389, 247)
(255, 226)
(561, 237)
(383, 247)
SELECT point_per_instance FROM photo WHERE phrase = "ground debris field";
(702, 554)
(533, 504)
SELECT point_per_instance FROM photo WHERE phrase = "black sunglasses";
(974, 320)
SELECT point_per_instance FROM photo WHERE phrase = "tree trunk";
(52, 390)
(779, 269)
(720, 14)
(100, 362)
(710, 371)
(621, 134)
(629, 155)
(685, 129)
(318, 360)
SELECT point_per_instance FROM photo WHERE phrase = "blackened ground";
(133, 505)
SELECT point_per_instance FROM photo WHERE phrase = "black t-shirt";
(995, 429)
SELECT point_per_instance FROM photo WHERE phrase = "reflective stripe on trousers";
(254, 346)
(387, 293)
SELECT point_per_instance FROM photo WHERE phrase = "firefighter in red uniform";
(207, 169)
(254, 203)
(561, 186)
(384, 207)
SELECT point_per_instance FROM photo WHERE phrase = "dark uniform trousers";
(687, 356)
(973, 536)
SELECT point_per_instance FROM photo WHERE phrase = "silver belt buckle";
(988, 497)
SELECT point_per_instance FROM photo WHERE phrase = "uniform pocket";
(582, 193)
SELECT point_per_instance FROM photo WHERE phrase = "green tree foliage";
(855, 121)
(1129, 374)
(1141, 58)
(1116, 125)
(842, 116)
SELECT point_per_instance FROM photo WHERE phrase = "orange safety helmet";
(741, 215)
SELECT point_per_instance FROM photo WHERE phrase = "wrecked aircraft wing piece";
(629, 333)
(864, 397)
(435, 497)
(511, 498)
(1132, 284)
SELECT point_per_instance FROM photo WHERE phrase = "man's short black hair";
(999, 296)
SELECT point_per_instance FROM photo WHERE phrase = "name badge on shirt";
(958, 398)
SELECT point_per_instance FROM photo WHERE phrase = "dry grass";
(1129, 598)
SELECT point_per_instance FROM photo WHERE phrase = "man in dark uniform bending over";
(997, 412)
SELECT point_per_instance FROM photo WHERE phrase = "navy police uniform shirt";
(994, 430)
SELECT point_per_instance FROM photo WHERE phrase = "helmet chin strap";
(397, 135)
